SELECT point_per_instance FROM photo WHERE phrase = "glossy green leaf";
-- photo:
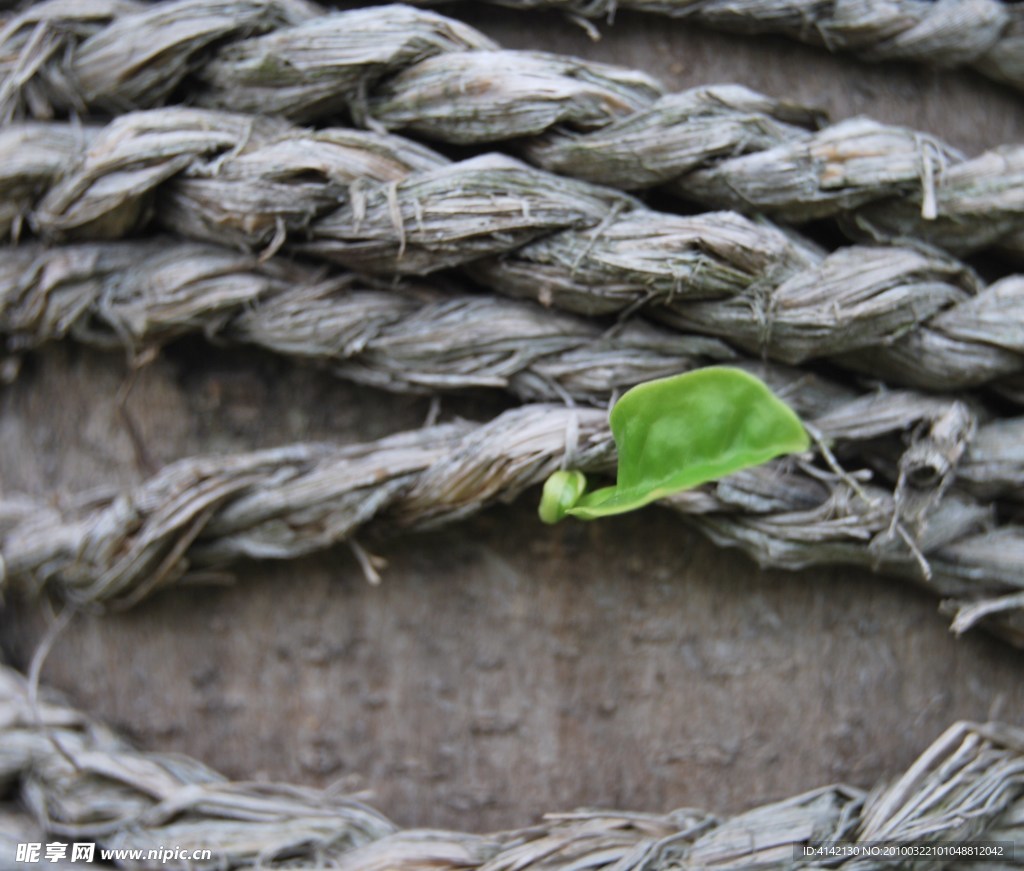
(676, 433)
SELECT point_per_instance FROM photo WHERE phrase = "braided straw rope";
(910, 316)
(987, 35)
(396, 67)
(405, 338)
(200, 514)
(83, 782)
(415, 339)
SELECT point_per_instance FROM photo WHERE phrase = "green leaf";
(676, 433)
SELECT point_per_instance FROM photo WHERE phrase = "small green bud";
(561, 492)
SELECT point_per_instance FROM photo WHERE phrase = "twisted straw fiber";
(82, 781)
(400, 68)
(987, 35)
(416, 339)
(910, 316)
(403, 338)
(200, 514)
(406, 338)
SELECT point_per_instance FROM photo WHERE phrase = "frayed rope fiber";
(913, 317)
(397, 67)
(76, 778)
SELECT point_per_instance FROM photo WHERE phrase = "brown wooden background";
(504, 668)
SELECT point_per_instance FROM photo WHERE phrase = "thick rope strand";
(406, 338)
(410, 338)
(987, 35)
(81, 781)
(399, 68)
(913, 317)
(200, 514)
(415, 339)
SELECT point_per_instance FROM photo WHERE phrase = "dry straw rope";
(396, 67)
(81, 781)
(408, 338)
(50, 291)
(418, 339)
(200, 514)
(987, 35)
(911, 316)
(261, 184)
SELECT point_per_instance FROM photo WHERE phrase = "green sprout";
(676, 433)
